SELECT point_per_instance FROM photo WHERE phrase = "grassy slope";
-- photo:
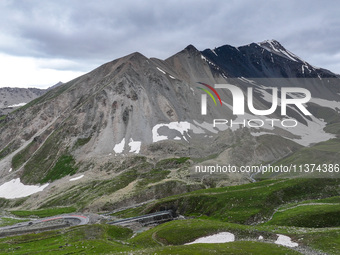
(45, 212)
(93, 239)
(244, 203)
(307, 215)
(326, 241)
(100, 239)
(80, 196)
(184, 231)
(168, 238)
(323, 152)
(134, 169)
(180, 232)
(335, 200)
(9, 221)
(239, 247)
(64, 166)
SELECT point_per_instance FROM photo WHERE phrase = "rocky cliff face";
(137, 106)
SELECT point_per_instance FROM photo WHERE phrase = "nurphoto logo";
(238, 106)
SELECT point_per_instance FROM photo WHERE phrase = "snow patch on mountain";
(213, 51)
(285, 241)
(16, 189)
(276, 48)
(326, 103)
(181, 127)
(308, 134)
(209, 62)
(312, 133)
(222, 237)
(303, 67)
(246, 80)
(76, 178)
(288, 55)
(16, 105)
(134, 146)
(161, 70)
(119, 147)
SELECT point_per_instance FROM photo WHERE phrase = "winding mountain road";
(77, 219)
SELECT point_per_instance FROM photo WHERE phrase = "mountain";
(268, 59)
(13, 98)
(132, 129)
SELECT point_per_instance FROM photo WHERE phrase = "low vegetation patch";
(89, 239)
(325, 240)
(183, 231)
(45, 212)
(82, 141)
(43, 160)
(21, 157)
(320, 153)
(80, 196)
(245, 204)
(311, 216)
(9, 221)
(171, 163)
(64, 166)
(9, 149)
(240, 247)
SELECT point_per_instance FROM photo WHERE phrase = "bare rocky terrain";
(131, 130)
(13, 98)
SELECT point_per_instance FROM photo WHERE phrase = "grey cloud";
(97, 31)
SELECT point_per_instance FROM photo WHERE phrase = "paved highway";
(83, 220)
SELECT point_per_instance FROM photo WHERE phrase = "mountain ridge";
(12, 98)
(138, 107)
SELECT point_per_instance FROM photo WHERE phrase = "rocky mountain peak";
(275, 47)
(274, 44)
(191, 47)
(139, 105)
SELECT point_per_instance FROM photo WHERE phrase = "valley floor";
(267, 217)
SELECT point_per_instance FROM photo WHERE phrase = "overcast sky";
(44, 42)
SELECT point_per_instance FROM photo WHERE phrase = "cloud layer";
(76, 36)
